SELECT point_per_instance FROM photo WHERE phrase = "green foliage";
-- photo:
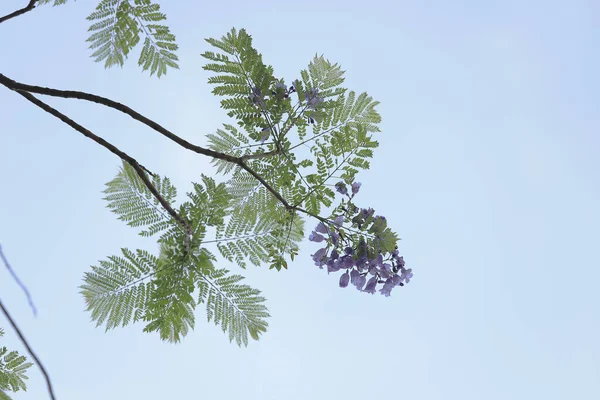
(115, 30)
(130, 199)
(341, 143)
(251, 224)
(237, 308)
(12, 371)
(138, 286)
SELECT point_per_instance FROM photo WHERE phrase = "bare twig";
(29, 350)
(16, 278)
(23, 10)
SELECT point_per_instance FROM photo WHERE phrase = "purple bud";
(349, 250)
(321, 228)
(354, 275)
(355, 187)
(339, 220)
(400, 261)
(341, 188)
(366, 213)
(344, 279)
(266, 133)
(315, 237)
(370, 288)
(360, 282)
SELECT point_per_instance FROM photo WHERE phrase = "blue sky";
(487, 169)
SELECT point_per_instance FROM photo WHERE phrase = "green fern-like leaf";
(131, 200)
(117, 292)
(56, 2)
(238, 309)
(13, 369)
(116, 27)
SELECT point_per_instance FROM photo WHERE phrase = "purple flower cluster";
(343, 189)
(386, 268)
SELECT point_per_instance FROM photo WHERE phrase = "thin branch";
(260, 155)
(22, 11)
(275, 193)
(31, 353)
(73, 94)
(124, 156)
(16, 278)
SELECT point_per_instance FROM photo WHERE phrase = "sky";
(488, 169)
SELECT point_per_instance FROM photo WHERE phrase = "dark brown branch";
(23, 10)
(31, 353)
(73, 94)
(20, 87)
(124, 156)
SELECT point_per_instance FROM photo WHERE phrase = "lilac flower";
(371, 284)
(266, 133)
(256, 96)
(338, 221)
(355, 187)
(333, 266)
(321, 228)
(349, 250)
(361, 262)
(319, 257)
(341, 188)
(312, 98)
(354, 276)
(315, 237)
(396, 279)
(347, 262)
(387, 287)
(385, 271)
(406, 275)
(334, 238)
(360, 282)
(400, 261)
(334, 255)
(344, 280)
(366, 213)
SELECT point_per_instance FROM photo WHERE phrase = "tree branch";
(124, 156)
(29, 350)
(21, 284)
(23, 88)
(73, 94)
(23, 10)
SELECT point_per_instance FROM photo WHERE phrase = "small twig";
(31, 353)
(16, 278)
(23, 10)
(261, 155)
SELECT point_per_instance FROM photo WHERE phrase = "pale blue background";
(488, 170)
